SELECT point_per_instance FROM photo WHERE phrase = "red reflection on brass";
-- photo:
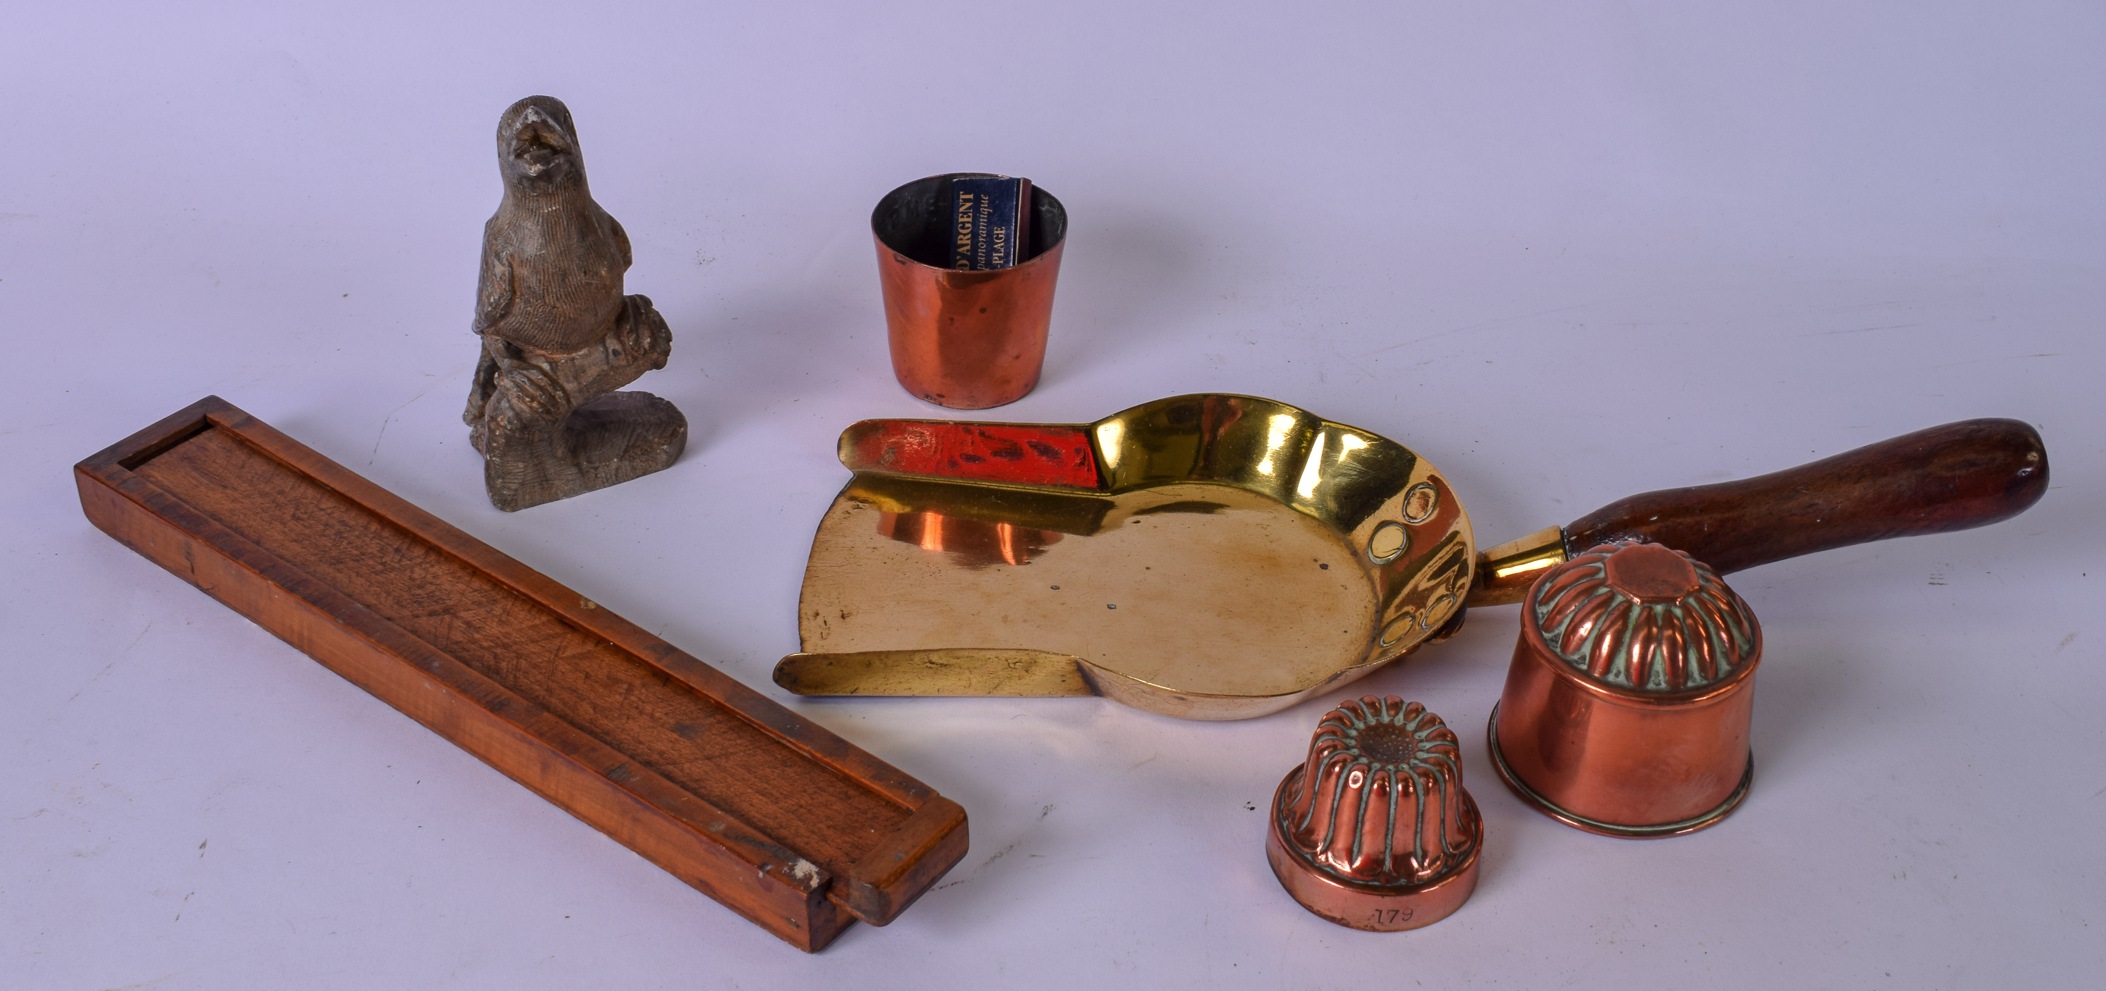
(1373, 830)
(1012, 453)
(1627, 707)
(975, 543)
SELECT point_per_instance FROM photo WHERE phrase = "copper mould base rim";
(1358, 904)
(1522, 791)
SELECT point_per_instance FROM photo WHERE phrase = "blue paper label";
(986, 222)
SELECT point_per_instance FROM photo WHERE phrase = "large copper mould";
(1373, 830)
(1627, 707)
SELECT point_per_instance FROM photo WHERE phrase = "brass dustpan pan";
(1221, 556)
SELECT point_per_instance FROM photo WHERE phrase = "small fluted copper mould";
(964, 339)
(1627, 706)
(1373, 830)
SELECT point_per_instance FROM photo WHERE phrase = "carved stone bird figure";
(558, 334)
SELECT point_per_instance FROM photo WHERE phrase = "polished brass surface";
(972, 671)
(1629, 701)
(1374, 830)
(1238, 556)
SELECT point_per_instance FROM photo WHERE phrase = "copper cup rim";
(1051, 250)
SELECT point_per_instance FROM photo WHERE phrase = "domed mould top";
(1644, 618)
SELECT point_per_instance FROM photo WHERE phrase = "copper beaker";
(1627, 708)
(964, 339)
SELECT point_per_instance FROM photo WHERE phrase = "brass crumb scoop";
(1221, 557)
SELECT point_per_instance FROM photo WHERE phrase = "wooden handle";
(1961, 475)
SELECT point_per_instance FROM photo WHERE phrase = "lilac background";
(1565, 251)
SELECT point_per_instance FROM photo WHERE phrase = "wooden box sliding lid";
(783, 822)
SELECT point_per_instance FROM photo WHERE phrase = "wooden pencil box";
(775, 817)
